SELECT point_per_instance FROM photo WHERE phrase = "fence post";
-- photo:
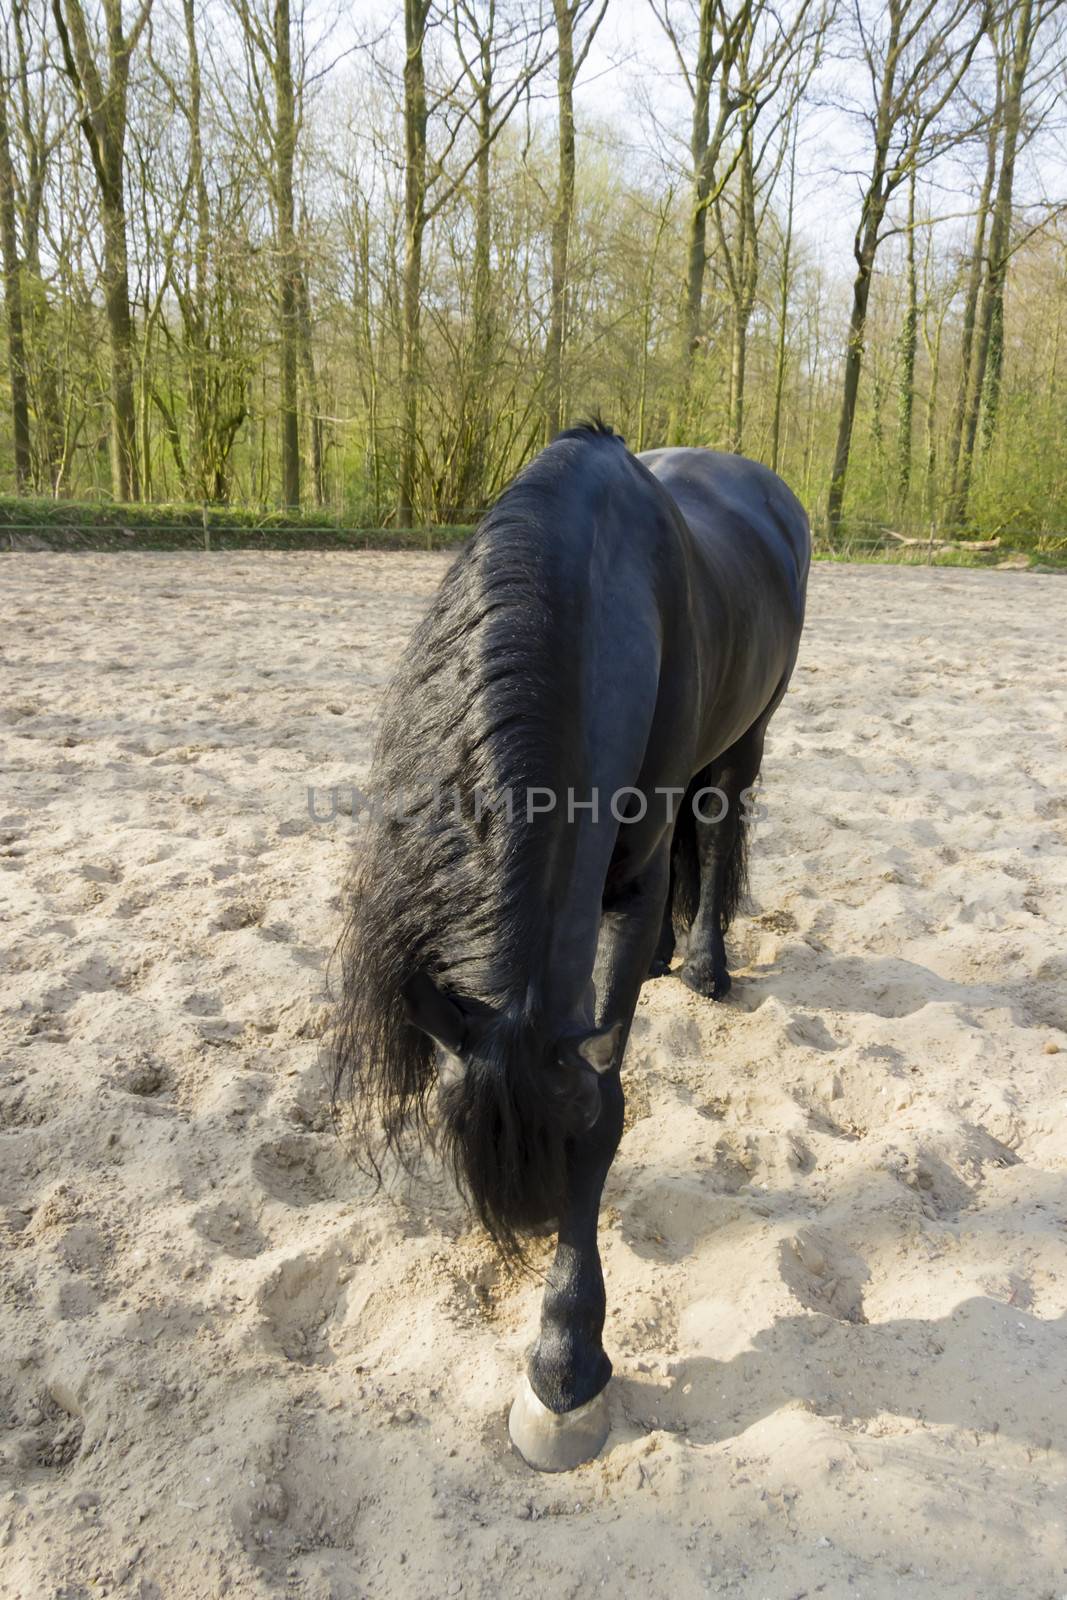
(207, 529)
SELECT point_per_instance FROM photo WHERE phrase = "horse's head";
(566, 1069)
(512, 1094)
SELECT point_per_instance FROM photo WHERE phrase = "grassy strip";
(26, 511)
(30, 524)
(869, 542)
(27, 524)
(1021, 558)
(895, 556)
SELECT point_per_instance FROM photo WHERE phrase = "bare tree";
(572, 46)
(785, 287)
(12, 267)
(216, 375)
(974, 275)
(100, 76)
(1014, 35)
(732, 66)
(276, 103)
(916, 54)
(289, 277)
(495, 43)
(741, 209)
(429, 186)
(909, 343)
(35, 131)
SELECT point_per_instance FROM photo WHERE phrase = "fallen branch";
(946, 544)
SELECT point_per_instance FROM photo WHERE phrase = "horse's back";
(749, 555)
(742, 516)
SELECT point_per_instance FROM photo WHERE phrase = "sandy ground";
(836, 1233)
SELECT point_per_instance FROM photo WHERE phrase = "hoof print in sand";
(941, 1193)
(295, 1169)
(232, 1229)
(237, 914)
(51, 1439)
(25, 1108)
(143, 1076)
(823, 1275)
(299, 1301)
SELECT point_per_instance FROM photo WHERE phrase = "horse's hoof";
(555, 1441)
(704, 980)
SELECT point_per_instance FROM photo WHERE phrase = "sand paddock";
(835, 1237)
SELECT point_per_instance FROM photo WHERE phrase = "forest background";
(364, 261)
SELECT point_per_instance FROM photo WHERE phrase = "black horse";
(562, 780)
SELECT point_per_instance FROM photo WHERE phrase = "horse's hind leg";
(664, 952)
(721, 850)
(560, 1418)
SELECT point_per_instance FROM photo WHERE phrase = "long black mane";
(475, 707)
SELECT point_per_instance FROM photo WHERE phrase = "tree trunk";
(738, 355)
(102, 114)
(366, 352)
(783, 306)
(311, 391)
(288, 259)
(482, 306)
(991, 309)
(746, 280)
(469, 490)
(125, 478)
(857, 324)
(699, 142)
(646, 316)
(41, 369)
(696, 265)
(908, 343)
(416, 13)
(561, 221)
(198, 472)
(994, 364)
(970, 312)
(934, 352)
(16, 348)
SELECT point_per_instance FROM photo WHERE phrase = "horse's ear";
(431, 1010)
(597, 1050)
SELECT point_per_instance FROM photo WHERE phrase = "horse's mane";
(593, 427)
(477, 705)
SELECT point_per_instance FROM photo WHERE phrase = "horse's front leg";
(560, 1417)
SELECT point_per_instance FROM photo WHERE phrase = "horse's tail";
(685, 866)
(685, 861)
(734, 881)
(498, 1122)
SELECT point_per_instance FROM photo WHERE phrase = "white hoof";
(555, 1441)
